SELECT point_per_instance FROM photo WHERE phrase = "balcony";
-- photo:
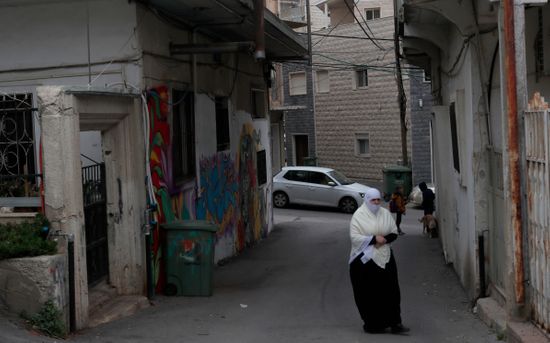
(293, 13)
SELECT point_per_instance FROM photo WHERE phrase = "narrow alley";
(296, 288)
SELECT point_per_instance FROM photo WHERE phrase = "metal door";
(95, 216)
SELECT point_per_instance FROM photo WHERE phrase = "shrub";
(26, 239)
(48, 320)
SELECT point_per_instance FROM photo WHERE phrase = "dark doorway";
(301, 148)
(95, 217)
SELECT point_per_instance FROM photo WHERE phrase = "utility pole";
(308, 18)
(401, 98)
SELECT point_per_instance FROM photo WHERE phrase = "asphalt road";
(294, 287)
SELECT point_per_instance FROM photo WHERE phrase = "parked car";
(415, 198)
(317, 186)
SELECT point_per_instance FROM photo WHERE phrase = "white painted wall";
(62, 43)
(463, 198)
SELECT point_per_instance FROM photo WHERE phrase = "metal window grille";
(17, 155)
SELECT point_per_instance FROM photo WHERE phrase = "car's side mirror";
(331, 183)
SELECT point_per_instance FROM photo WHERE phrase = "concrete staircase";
(105, 305)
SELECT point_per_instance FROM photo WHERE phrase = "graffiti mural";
(251, 225)
(219, 192)
(173, 201)
(228, 194)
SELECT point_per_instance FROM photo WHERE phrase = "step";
(100, 294)
(117, 308)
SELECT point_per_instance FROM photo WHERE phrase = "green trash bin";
(397, 176)
(189, 257)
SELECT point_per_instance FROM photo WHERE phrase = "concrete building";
(185, 130)
(486, 59)
(328, 119)
(356, 108)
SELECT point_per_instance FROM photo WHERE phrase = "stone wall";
(27, 283)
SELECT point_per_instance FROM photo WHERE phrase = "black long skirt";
(376, 292)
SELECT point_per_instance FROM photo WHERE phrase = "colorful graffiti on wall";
(228, 195)
(252, 224)
(173, 201)
(217, 201)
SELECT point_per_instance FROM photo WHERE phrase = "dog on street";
(429, 225)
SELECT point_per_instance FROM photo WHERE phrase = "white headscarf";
(372, 193)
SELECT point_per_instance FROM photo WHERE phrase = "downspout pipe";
(309, 46)
(259, 8)
(513, 149)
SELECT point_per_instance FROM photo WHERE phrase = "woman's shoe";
(399, 328)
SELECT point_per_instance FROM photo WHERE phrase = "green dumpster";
(189, 257)
(397, 176)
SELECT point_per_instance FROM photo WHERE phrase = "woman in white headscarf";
(373, 270)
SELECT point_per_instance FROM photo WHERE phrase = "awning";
(233, 21)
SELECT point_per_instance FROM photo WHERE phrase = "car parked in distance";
(415, 198)
(317, 186)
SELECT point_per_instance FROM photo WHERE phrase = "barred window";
(17, 155)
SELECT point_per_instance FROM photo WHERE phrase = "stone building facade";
(357, 119)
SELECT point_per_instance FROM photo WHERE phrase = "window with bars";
(17, 154)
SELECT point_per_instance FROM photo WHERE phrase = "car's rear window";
(296, 175)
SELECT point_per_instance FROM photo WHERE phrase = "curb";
(494, 316)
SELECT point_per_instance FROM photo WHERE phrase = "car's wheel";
(348, 205)
(280, 199)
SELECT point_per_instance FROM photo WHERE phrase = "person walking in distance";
(428, 198)
(373, 270)
(398, 206)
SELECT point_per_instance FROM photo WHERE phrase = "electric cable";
(361, 26)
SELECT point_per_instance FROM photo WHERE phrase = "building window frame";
(258, 103)
(223, 139)
(426, 77)
(362, 144)
(361, 78)
(183, 136)
(293, 89)
(322, 82)
(372, 13)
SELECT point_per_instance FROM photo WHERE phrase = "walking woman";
(373, 270)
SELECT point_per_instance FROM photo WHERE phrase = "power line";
(331, 29)
(361, 26)
(363, 18)
(346, 37)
